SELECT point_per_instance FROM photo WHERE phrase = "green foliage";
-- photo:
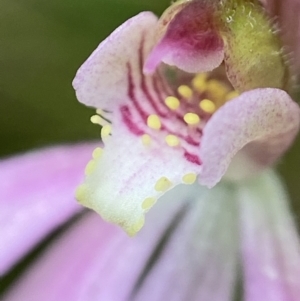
(42, 45)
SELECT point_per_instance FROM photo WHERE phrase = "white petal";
(127, 174)
(261, 122)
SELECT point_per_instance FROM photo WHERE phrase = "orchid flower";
(173, 113)
(194, 108)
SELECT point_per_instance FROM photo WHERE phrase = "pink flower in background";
(164, 131)
(189, 249)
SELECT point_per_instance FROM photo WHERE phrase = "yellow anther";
(90, 167)
(231, 95)
(136, 227)
(99, 111)
(106, 131)
(172, 102)
(207, 106)
(163, 184)
(154, 122)
(200, 82)
(172, 140)
(189, 178)
(185, 91)
(96, 119)
(191, 118)
(81, 193)
(216, 89)
(146, 139)
(148, 203)
(97, 152)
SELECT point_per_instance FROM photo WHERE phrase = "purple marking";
(192, 158)
(127, 119)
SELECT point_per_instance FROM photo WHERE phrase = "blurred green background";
(42, 45)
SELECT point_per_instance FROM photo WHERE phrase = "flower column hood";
(182, 99)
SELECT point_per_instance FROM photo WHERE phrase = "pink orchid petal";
(112, 79)
(199, 261)
(36, 196)
(127, 172)
(268, 118)
(191, 42)
(101, 81)
(97, 261)
(270, 242)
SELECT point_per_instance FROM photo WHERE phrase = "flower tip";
(81, 193)
(209, 183)
(133, 229)
(151, 64)
(130, 226)
(148, 70)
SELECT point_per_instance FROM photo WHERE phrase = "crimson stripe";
(144, 86)
(159, 91)
(151, 99)
(144, 115)
(127, 118)
(132, 96)
(192, 158)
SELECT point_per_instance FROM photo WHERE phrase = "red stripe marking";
(192, 158)
(132, 96)
(127, 119)
(127, 116)
(144, 86)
